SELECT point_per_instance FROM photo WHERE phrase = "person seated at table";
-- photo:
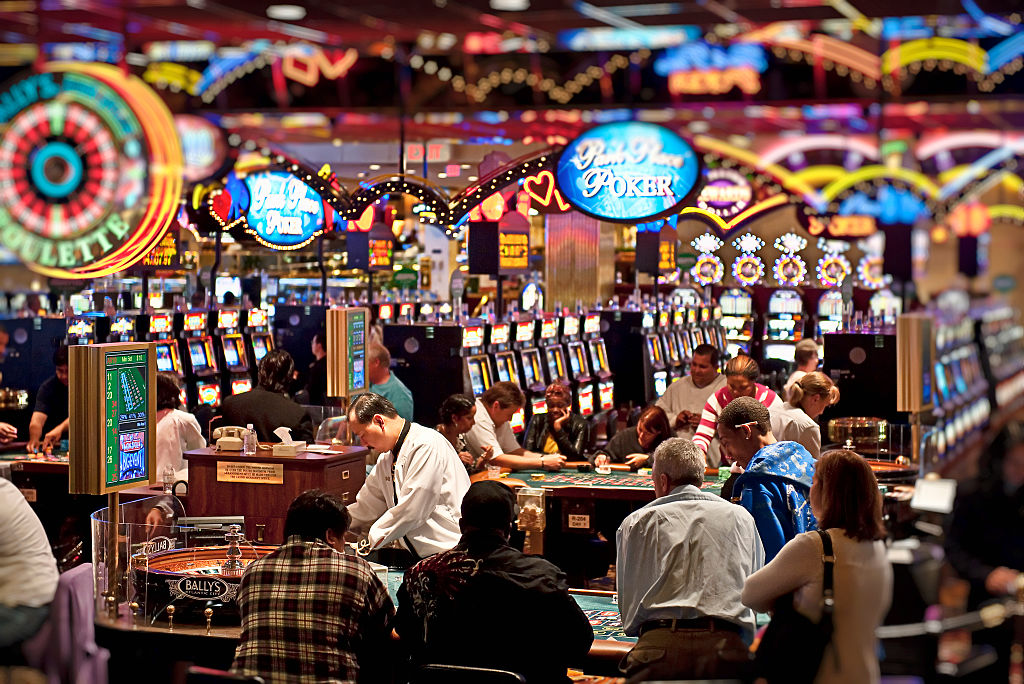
(846, 501)
(309, 611)
(797, 419)
(776, 479)
(559, 430)
(682, 560)
(495, 408)
(267, 406)
(805, 355)
(385, 383)
(741, 373)
(486, 604)
(634, 446)
(176, 430)
(412, 495)
(684, 399)
(458, 415)
(49, 420)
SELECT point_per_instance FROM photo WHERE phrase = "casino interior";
(524, 191)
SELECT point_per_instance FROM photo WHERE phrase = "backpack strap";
(828, 559)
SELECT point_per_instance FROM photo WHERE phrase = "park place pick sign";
(627, 172)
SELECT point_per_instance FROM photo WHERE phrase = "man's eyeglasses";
(740, 426)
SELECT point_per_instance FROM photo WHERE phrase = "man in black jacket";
(268, 407)
(473, 604)
(559, 431)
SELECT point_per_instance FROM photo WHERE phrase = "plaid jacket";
(309, 614)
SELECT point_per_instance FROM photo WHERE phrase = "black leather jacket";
(572, 440)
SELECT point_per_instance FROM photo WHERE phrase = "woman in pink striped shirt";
(741, 375)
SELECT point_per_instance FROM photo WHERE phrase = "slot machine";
(202, 372)
(126, 328)
(506, 365)
(429, 359)
(579, 369)
(738, 321)
(784, 325)
(655, 368)
(406, 312)
(885, 307)
(533, 384)
(679, 331)
(477, 365)
(236, 378)
(386, 313)
(554, 354)
(259, 341)
(599, 361)
(87, 329)
(161, 331)
(670, 346)
(830, 317)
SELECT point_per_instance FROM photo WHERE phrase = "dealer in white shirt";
(413, 495)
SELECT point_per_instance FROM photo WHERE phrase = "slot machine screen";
(783, 352)
(159, 324)
(783, 328)
(574, 359)
(227, 320)
(598, 358)
(670, 346)
(663, 319)
(230, 354)
(164, 362)
(653, 349)
(472, 336)
(942, 389)
(571, 326)
(606, 395)
(518, 421)
(197, 352)
(122, 326)
(257, 318)
(958, 376)
(499, 333)
(406, 310)
(241, 385)
(386, 312)
(209, 393)
(476, 376)
(647, 321)
(556, 362)
(677, 317)
(548, 328)
(195, 322)
(524, 332)
(259, 348)
(660, 383)
(592, 324)
(586, 400)
(532, 373)
(506, 368)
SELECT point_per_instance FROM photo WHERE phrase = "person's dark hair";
(366, 406)
(849, 496)
(276, 371)
(60, 355)
(321, 338)
(707, 350)
(805, 351)
(746, 410)
(505, 393)
(656, 420)
(488, 505)
(230, 298)
(168, 391)
(455, 406)
(990, 464)
(312, 513)
(743, 365)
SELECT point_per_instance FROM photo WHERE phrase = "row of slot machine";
(435, 361)
(786, 320)
(215, 353)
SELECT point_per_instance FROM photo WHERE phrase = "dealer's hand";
(602, 459)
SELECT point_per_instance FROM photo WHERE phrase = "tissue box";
(292, 449)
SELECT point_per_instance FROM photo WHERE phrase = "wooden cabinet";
(262, 487)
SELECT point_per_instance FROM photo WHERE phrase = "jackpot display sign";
(284, 212)
(627, 172)
(126, 418)
(726, 193)
(90, 170)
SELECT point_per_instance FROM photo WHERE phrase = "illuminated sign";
(591, 324)
(283, 212)
(524, 331)
(257, 318)
(708, 270)
(869, 270)
(159, 324)
(125, 409)
(165, 254)
(833, 269)
(890, 206)
(596, 39)
(748, 269)
(90, 170)
(473, 336)
(82, 328)
(789, 270)
(203, 146)
(227, 320)
(306, 64)
(666, 255)
(381, 254)
(842, 227)
(571, 326)
(195, 322)
(700, 68)
(726, 193)
(499, 333)
(548, 328)
(627, 172)
(513, 251)
(122, 325)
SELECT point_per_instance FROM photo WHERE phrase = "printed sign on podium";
(112, 409)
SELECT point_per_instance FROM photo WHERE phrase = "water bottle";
(249, 441)
(167, 477)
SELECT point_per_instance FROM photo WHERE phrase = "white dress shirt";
(430, 481)
(686, 555)
(792, 424)
(483, 433)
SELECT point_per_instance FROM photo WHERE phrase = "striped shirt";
(720, 399)
(308, 613)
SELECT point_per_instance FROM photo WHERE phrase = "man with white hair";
(682, 561)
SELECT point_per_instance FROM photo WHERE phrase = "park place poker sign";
(90, 170)
(628, 172)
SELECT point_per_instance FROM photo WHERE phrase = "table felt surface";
(613, 480)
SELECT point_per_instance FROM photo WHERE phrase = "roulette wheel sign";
(90, 170)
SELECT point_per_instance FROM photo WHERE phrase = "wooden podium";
(262, 487)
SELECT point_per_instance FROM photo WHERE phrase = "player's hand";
(552, 461)
(1002, 581)
(694, 420)
(467, 458)
(33, 446)
(682, 420)
(602, 459)
(7, 432)
(635, 461)
(154, 518)
(52, 437)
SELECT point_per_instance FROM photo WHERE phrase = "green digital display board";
(126, 418)
(356, 351)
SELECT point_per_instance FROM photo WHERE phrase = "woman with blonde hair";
(797, 419)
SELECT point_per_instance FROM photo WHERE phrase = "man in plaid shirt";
(310, 613)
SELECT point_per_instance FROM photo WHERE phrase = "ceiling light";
(442, 175)
(374, 167)
(286, 12)
(510, 5)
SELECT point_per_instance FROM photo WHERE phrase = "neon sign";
(708, 270)
(790, 270)
(513, 251)
(726, 193)
(381, 254)
(748, 269)
(890, 206)
(284, 212)
(203, 146)
(700, 68)
(627, 172)
(869, 270)
(307, 68)
(541, 187)
(833, 269)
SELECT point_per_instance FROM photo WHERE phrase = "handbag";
(792, 646)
